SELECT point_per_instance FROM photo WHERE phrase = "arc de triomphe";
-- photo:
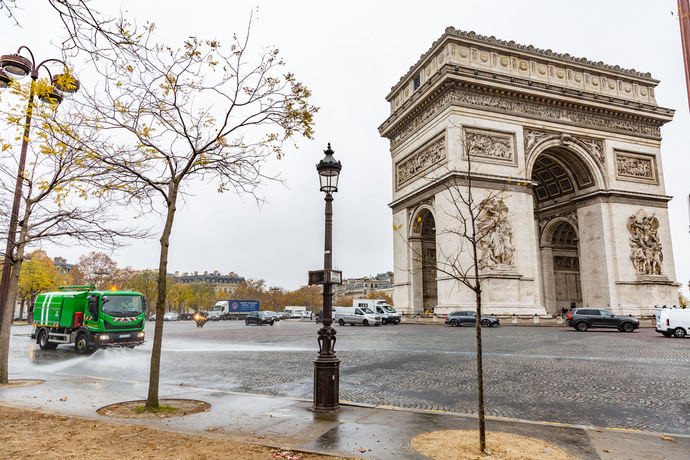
(573, 149)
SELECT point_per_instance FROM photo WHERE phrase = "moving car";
(214, 315)
(584, 318)
(381, 308)
(673, 322)
(356, 315)
(259, 318)
(171, 316)
(460, 318)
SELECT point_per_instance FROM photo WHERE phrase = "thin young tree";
(479, 236)
(164, 117)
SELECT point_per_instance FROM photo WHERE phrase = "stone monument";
(564, 156)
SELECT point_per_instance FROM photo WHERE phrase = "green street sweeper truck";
(88, 318)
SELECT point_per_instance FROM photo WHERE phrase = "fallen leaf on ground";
(668, 438)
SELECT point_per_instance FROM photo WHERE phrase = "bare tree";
(60, 203)
(163, 117)
(479, 240)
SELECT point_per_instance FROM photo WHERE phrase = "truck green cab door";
(92, 307)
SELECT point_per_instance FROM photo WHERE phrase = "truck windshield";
(218, 308)
(122, 305)
(388, 308)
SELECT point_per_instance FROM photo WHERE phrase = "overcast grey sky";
(350, 54)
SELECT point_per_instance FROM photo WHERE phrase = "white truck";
(673, 322)
(297, 311)
(380, 308)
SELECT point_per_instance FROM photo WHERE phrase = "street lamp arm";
(33, 59)
(43, 64)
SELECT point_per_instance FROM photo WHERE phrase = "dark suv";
(459, 318)
(584, 318)
(259, 318)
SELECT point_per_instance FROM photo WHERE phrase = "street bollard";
(536, 319)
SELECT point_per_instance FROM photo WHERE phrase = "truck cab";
(89, 319)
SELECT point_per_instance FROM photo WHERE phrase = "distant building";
(62, 264)
(362, 287)
(221, 283)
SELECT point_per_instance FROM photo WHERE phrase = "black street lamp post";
(326, 364)
(17, 66)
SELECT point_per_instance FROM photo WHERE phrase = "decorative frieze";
(490, 146)
(428, 156)
(636, 167)
(645, 248)
(514, 104)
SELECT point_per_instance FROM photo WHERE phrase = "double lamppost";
(16, 66)
(326, 364)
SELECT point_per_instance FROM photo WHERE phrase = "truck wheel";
(341, 322)
(365, 323)
(679, 332)
(246, 322)
(42, 340)
(81, 344)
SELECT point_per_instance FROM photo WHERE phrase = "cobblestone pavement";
(601, 378)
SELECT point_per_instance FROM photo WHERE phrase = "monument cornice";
(524, 54)
(447, 91)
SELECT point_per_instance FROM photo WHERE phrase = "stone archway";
(560, 255)
(561, 176)
(423, 249)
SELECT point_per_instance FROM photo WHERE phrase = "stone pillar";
(596, 256)
(549, 288)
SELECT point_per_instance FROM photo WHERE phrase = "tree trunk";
(5, 327)
(154, 375)
(21, 310)
(480, 372)
(10, 301)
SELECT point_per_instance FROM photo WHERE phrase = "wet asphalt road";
(602, 378)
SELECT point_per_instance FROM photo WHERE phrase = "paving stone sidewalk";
(357, 430)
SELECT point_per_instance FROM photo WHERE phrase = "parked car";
(259, 318)
(584, 318)
(460, 318)
(214, 315)
(152, 318)
(356, 315)
(673, 322)
(274, 314)
(171, 316)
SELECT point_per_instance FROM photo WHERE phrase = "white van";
(673, 321)
(356, 315)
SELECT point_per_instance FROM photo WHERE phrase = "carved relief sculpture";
(495, 235)
(421, 161)
(645, 248)
(489, 144)
(635, 167)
